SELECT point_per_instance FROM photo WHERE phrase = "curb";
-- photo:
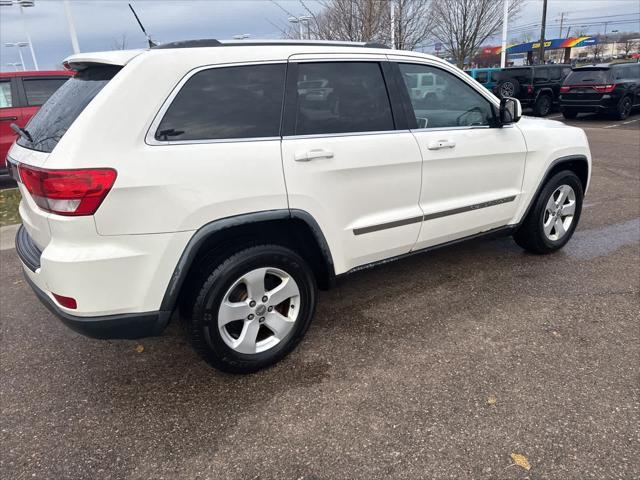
(8, 236)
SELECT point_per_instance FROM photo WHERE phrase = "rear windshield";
(588, 77)
(522, 75)
(58, 113)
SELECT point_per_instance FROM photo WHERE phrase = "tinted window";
(5, 94)
(39, 90)
(55, 117)
(228, 102)
(588, 77)
(450, 103)
(631, 71)
(540, 75)
(482, 77)
(522, 75)
(555, 73)
(353, 98)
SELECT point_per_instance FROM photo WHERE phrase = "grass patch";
(9, 201)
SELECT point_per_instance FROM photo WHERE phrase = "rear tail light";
(564, 89)
(66, 302)
(604, 88)
(529, 89)
(68, 192)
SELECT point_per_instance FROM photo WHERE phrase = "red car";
(21, 95)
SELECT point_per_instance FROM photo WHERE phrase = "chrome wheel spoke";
(279, 324)
(232, 311)
(559, 227)
(548, 226)
(282, 292)
(254, 281)
(568, 209)
(246, 342)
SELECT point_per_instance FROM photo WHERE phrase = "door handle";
(437, 145)
(312, 154)
(8, 119)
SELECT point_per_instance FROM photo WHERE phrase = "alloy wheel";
(559, 213)
(259, 310)
(507, 89)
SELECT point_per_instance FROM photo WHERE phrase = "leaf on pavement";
(139, 348)
(492, 400)
(521, 461)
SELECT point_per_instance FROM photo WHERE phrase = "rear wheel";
(542, 106)
(569, 114)
(252, 309)
(554, 215)
(624, 108)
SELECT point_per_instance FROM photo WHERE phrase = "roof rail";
(211, 42)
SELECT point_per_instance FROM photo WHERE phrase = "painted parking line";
(554, 116)
(613, 126)
(630, 121)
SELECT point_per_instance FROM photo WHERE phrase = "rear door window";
(522, 75)
(55, 117)
(482, 77)
(38, 90)
(227, 103)
(540, 75)
(353, 98)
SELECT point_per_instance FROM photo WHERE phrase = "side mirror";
(510, 110)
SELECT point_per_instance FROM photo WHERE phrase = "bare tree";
(366, 21)
(413, 23)
(463, 25)
(119, 43)
(630, 43)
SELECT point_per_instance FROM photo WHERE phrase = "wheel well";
(293, 233)
(577, 165)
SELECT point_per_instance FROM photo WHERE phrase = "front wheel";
(554, 215)
(252, 309)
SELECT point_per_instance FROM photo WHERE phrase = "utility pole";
(505, 18)
(544, 23)
(561, 22)
(72, 27)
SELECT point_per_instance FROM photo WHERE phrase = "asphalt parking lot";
(435, 367)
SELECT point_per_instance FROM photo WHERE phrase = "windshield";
(58, 113)
(588, 77)
(522, 75)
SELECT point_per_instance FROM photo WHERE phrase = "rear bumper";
(589, 106)
(111, 326)
(123, 326)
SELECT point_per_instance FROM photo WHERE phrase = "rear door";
(10, 112)
(349, 159)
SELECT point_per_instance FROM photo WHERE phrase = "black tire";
(202, 324)
(530, 235)
(569, 114)
(623, 109)
(511, 85)
(543, 105)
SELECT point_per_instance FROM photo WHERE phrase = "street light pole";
(26, 31)
(72, 27)
(18, 45)
(505, 18)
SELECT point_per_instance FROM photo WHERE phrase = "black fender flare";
(183, 266)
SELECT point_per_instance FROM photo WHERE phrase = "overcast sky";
(103, 23)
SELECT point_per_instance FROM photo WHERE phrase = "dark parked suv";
(536, 86)
(612, 89)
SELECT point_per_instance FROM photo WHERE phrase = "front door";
(346, 163)
(472, 172)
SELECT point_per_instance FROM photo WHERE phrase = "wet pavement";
(435, 367)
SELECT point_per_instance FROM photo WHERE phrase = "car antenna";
(151, 42)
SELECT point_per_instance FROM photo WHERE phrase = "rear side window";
(555, 73)
(522, 75)
(482, 77)
(5, 94)
(226, 103)
(540, 75)
(55, 117)
(353, 99)
(38, 90)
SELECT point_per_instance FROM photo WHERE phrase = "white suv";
(206, 178)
